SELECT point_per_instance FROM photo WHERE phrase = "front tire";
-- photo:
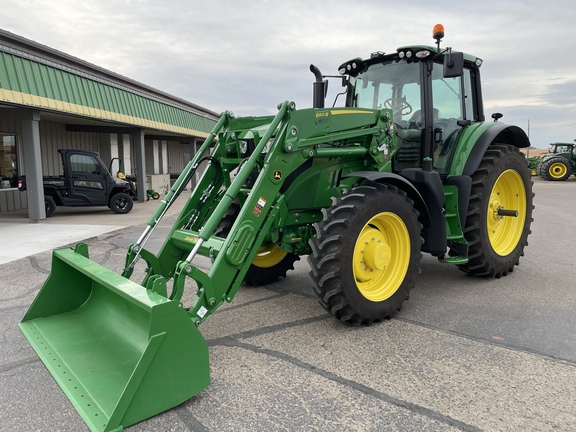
(366, 254)
(121, 203)
(269, 264)
(496, 242)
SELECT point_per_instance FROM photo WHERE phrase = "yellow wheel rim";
(381, 256)
(268, 256)
(504, 232)
(557, 170)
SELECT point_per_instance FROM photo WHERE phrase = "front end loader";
(407, 166)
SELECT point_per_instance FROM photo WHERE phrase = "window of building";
(8, 162)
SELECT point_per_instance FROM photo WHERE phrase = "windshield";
(565, 148)
(394, 85)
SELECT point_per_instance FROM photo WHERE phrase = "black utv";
(85, 182)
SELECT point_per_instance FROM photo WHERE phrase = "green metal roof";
(33, 81)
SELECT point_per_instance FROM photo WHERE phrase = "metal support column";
(33, 165)
(140, 157)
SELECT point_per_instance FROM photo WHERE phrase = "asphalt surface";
(465, 353)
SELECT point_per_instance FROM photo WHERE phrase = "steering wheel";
(405, 107)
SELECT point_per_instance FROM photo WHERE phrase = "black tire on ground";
(50, 205)
(121, 203)
(556, 169)
(539, 169)
(366, 254)
(496, 242)
(270, 263)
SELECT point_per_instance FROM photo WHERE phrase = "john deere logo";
(277, 175)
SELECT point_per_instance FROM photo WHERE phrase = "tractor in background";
(558, 163)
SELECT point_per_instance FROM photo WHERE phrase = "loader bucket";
(120, 352)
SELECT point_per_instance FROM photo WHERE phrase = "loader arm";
(290, 142)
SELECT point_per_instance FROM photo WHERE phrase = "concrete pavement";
(20, 238)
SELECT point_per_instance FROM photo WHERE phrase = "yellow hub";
(557, 170)
(268, 256)
(504, 232)
(381, 256)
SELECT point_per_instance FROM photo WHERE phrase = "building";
(50, 100)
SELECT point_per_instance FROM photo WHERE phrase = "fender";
(501, 133)
(401, 183)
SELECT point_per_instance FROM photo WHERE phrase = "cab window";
(84, 164)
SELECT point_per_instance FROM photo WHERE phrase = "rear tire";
(496, 243)
(366, 254)
(121, 203)
(50, 205)
(556, 169)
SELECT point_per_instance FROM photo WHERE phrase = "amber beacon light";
(438, 34)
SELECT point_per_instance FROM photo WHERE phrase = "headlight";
(243, 147)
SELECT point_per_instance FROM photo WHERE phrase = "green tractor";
(407, 166)
(558, 163)
(533, 163)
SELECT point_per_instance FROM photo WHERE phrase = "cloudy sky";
(249, 55)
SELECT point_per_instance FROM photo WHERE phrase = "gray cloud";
(247, 56)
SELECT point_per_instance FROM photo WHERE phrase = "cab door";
(86, 179)
(452, 101)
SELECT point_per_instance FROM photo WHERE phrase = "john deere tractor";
(407, 166)
(558, 163)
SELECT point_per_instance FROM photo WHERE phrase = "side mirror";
(453, 64)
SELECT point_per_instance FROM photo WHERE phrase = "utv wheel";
(50, 205)
(366, 254)
(269, 264)
(556, 169)
(121, 203)
(496, 241)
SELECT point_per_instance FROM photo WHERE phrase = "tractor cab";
(432, 93)
(562, 149)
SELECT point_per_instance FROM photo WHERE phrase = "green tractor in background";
(408, 165)
(558, 163)
(533, 163)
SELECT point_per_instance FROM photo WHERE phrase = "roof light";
(478, 62)
(342, 71)
(401, 54)
(438, 32)
(408, 54)
(422, 53)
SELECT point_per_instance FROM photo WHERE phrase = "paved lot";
(464, 354)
